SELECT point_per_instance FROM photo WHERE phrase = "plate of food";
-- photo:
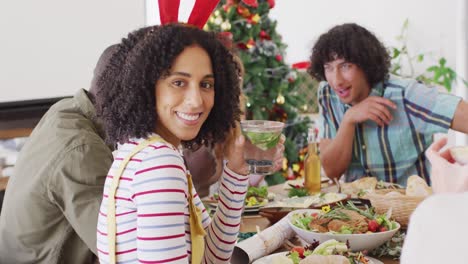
(256, 198)
(362, 228)
(276, 210)
(331, 251)
(310, 201)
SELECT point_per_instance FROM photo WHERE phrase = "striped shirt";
(394, 152)
(152, 213)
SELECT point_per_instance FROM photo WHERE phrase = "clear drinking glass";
(261, 136)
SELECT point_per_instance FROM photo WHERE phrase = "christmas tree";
(270, 85)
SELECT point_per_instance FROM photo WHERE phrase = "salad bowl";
(357, 242)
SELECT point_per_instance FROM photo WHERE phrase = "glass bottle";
(312, 177)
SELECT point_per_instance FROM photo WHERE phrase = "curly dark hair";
(126, 102)
(354, 44)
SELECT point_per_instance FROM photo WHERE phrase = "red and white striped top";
(152, 213)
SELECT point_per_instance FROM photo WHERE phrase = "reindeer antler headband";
(169, 12)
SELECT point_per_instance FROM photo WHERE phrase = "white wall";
(48, 48)
(431, 23)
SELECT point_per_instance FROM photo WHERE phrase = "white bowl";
(357, 242)
(460, 154)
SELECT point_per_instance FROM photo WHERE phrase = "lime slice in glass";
(263, 140)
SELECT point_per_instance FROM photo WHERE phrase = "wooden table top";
(250, 223)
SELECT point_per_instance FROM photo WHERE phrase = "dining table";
(257, 222)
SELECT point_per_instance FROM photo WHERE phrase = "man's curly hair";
(126, 102)
(354, 44)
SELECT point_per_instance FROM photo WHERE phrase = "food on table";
(316, 200)
(330, 251)
(367, 185)
(344, 219)
(256, 196)
(417, 186)
(460, 154)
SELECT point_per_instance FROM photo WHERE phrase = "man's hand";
(372, 108)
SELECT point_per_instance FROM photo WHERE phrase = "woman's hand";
(236, 161)
(446, 175)
(279, 155)
(235, 157)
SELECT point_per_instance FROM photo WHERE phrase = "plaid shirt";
(391, 153)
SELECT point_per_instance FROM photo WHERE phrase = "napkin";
(262, 243)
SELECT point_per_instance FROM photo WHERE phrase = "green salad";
(344, 219)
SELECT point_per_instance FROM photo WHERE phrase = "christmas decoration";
(270, 85)
(280, 99)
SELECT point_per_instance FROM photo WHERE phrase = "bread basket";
(402, 205)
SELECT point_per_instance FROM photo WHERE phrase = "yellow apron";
(197, 233)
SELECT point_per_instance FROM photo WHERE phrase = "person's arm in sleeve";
(160, 193)
(432, 111)
(76, 187)
(460, 119)
(223, 230)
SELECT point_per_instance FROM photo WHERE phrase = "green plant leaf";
(447, 84)
(420, 57)
(442, 61)
(396, 53)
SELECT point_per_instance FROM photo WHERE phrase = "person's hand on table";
(446, 174)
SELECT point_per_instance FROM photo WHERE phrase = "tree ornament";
(284, 164)
(243, 11)
(242, 46)
(255, 18)
(271, 3)
(278, 57)
(263, 35)
(268, 48)
(292, 76)
(226, 8)
(225, 26)
(280, 99)
(250, 44)
(218, 21)
(251, 3)
(305, 107)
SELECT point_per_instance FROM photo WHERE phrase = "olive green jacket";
(52, 200)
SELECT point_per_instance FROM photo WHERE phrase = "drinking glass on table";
(262, 136)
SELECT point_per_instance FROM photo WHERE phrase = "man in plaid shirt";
(371, 123)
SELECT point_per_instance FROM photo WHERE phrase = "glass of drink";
(262, 136)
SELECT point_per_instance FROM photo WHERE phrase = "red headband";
(169, 12)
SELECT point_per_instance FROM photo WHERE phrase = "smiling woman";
(168, 86)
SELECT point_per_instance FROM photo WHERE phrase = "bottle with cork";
(312, 168)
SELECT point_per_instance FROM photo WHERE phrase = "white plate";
(269, 259)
